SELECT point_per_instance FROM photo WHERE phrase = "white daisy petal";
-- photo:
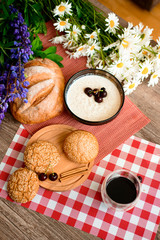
(62, 25)
(57, 40)
(63, 8)
(74, 33)
(145, 70)
(112, 23)
(93, 36)
(120, 66)
(130, 86)
(154, 78)
(92, 48)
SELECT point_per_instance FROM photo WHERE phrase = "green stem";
(150, 49)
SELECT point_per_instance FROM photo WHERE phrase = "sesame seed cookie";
(81, 146)
(41, 156)
(23, 185)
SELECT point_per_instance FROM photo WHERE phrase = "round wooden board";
(56, 135)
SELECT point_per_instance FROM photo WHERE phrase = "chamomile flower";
(92, 48)
(154, 78)
(112, 45)
(143, 55)
(70, 44)
(93, 36)
(62, 25)
(130, 86)
(144, 70)
(63, 8)
(71, 54)
(73, 33)
(57, 40)
(97, 61)
(146, 36)
(89, 62)
(119, 67)
(112, 23)
(137, 30)
(81, 51)
(83, 27)
(157, 59)
(129, 29)
(129, 44)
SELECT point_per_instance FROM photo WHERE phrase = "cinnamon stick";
(66, 177)
(73, 171)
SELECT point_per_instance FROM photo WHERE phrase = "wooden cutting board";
(56, 135)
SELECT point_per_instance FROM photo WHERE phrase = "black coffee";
(121, 190)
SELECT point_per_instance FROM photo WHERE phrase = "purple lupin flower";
(12, 80)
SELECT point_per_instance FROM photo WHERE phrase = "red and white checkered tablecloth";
(83, 207)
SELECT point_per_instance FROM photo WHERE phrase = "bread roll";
(81, 146)
(45, 92)
(41, 156)
(23, 185)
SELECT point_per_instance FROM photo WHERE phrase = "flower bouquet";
(126, 53)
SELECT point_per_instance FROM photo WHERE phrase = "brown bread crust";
(45, 96)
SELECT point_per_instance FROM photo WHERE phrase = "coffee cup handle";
(140, 178)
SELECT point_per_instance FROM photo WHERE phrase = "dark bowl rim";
(87, 122)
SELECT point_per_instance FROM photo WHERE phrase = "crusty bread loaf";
(45, 95)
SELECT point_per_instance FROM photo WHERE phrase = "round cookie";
(41, 156)
(81, 146)
(23, 185)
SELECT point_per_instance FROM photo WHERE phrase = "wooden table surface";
(20, 223)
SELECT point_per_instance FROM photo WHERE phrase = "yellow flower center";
(74, 32)
(131, 85)
(144, 52)
(92, 48)
(62, 8)
(80, 49)
(145, 71)
(154, 76)
(92, 36)
(159, 56)
(111, 24)
(125, 43)
(120, 65)
(62, 23)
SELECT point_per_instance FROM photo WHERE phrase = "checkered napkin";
(83, 207)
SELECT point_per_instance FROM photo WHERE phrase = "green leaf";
(9, 2)
(59, 64)
(36, 44)
(50, 50)
(35, 8)
(40, 54)
(55, 57)
(79, 14)
(1, 58)
(41, 27)
(4, 9)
